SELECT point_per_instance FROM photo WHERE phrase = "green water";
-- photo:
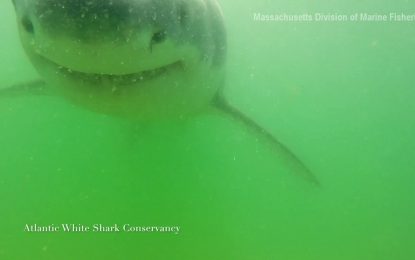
(338, 94)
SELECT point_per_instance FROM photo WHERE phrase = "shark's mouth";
(102, 79)
(120, 80)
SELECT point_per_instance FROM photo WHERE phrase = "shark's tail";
(289, 158)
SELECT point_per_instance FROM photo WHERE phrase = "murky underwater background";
(338, 94)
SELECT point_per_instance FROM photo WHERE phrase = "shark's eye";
(28, 25)
(159, 37)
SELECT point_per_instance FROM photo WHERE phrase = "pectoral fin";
(289, 158)
(35, 87)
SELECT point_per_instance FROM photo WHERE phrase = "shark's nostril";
(28, 25)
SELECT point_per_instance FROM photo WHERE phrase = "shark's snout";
(96, 36)
(87, 21)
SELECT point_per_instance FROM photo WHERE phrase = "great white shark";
(140, 59)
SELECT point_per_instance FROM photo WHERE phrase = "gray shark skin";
(140, 59)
